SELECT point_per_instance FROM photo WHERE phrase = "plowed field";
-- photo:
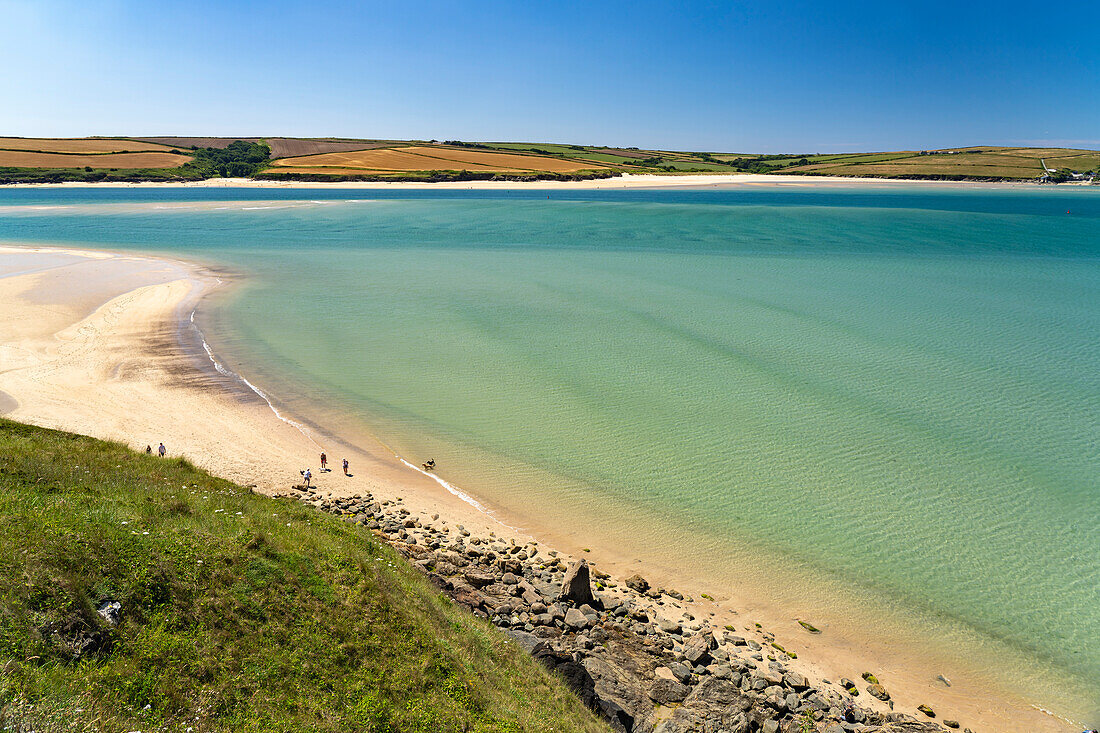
(26, 159)
(199, 142)
(285, 147)
(419, 158)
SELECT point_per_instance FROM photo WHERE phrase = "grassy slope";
(240, 612)
(991, 163)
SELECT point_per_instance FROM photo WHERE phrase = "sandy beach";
(107, 345)
(627, 180)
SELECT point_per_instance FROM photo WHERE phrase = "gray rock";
(509, 579)
(721, 671)
(697, 649)
(665, 691)
(574, 619)
(796, 681)
(680, 672)
(772, 676)
(637, 583)
(524, 640)
(478, 579)
(669, 627)
(577, 586)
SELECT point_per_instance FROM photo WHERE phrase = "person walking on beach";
(324, 462)
(345, 466)
(148, 450)
(307, 475)
(161, 450)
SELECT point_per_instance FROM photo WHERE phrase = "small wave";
(451, 488)
(1056, 716)
(263, 395)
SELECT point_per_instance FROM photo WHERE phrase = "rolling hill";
(345, 159)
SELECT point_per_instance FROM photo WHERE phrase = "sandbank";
(625, 181)
(108, 345)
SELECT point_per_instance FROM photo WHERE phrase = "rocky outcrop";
(627, 654)
(577, 586)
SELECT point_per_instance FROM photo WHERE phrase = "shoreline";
(625, 181)
(103, 363)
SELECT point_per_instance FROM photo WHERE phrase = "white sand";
(628, 180)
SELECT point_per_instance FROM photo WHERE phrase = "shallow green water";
(897, 390)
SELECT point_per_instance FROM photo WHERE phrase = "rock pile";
(630, 652)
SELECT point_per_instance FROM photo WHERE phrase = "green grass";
(58, 175)
(240, 613)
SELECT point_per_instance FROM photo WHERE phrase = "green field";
(967, 163)
(238, 612)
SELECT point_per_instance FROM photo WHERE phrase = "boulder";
(577, 585)
(637, 583)
(664, 673)
(680, 672)
(697, 649)
(478, 579)
(669, 627)
(574, 619)
(927, 711)
(796, 681)
(878, 691)
(665, 691)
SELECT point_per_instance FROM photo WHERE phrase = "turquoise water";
(897, 389)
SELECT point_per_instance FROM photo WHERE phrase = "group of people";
(161, 450)
(308, 474)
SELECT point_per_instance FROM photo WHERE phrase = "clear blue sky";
(722, 76)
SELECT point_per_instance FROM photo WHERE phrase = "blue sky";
(734, 76)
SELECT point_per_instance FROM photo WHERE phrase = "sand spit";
(625, 181)
(109, 345)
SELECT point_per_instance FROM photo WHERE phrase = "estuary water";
(881, 397)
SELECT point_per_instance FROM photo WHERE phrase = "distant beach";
(626, 181)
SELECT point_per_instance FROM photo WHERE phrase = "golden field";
(151, 159)
(424, 158)
(77, 145)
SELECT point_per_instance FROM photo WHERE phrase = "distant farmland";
(77, 145)
(424, 158)
(28, 159)
(281, 147)
(172, 158)
(973, 163)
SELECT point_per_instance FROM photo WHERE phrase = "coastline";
(114, 362)
(625, 181)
